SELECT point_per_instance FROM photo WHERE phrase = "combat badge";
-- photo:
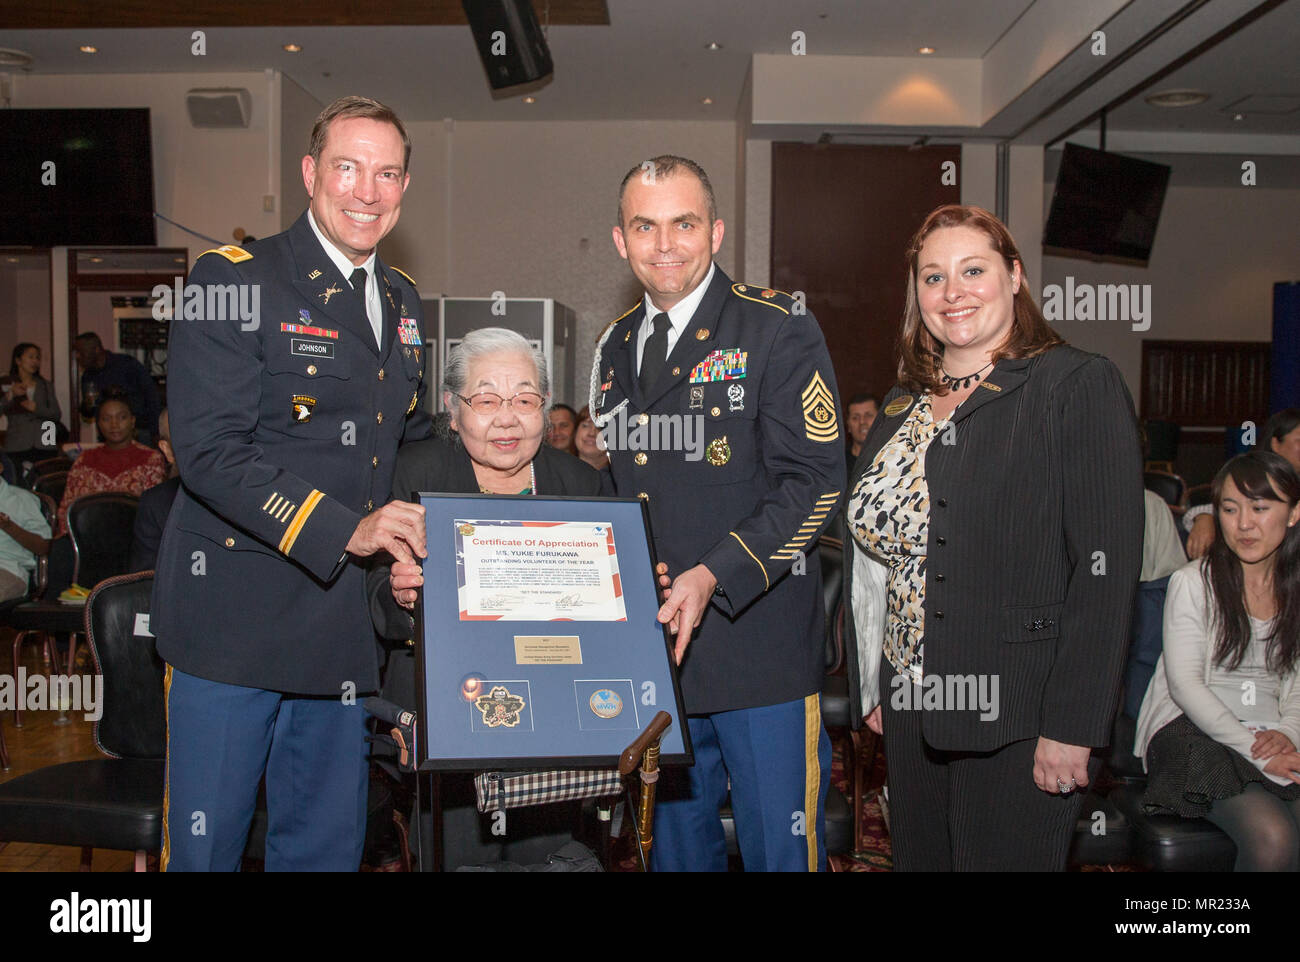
(697, 398)
(819, 422)
(302, 406)
(736, 395)
(898, 405)
(718, 452)
(500, 709)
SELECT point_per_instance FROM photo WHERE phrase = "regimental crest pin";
(500, 708)
(736, 396)
(302, 408)
(702, 334)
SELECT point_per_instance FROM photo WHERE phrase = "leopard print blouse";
(889, 515)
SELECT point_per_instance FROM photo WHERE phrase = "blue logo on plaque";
(605, 703)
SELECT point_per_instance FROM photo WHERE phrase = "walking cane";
(645, 752)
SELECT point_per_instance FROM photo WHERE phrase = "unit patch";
(302, 408)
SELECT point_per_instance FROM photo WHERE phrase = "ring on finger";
(1066, 789)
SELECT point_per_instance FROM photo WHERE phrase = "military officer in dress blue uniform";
(286, 426)
(741, 374)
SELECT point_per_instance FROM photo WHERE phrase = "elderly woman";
(993, 545)
(497, 390)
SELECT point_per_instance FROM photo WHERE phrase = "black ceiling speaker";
(509, 40)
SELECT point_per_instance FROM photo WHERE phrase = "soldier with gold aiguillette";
(718, 404)
(286, 428)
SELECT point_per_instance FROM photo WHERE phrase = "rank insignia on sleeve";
(302, 408)
(819, 422)
(500, 708)
(720, 366)
(408, 332)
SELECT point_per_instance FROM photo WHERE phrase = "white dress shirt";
(679, 316)
(374, 310)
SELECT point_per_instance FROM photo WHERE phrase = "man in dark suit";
(286, 421)
(718, 404)
(103, 372)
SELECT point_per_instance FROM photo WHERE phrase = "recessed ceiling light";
(1238, 116)
(14, 58)
(530, 100)
(713, 45)
(12, 260)
(1177, 98)
(88, 48)
(706, 101)
(925, 50)
(292, 48)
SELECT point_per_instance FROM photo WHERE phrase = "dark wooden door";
(841, 219)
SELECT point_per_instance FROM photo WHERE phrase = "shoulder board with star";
(404, 274)
(236, 255)
(780, 300)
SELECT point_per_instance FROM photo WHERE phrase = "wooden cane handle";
(631, 757)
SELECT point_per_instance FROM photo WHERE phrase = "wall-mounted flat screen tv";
(1105, 206)
(76, 177)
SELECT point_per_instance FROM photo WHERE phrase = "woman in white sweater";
(1220, 724)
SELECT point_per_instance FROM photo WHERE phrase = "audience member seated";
(1162, 550)
(561, 421)
(155, 505)
(119, 464)
(1219, 726)
(104, 374)
(31, 407)
(586, 439)
(24, 534)
(1281, 435)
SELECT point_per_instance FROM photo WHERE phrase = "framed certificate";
(537, 642)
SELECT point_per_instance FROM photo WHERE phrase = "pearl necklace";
(532, 482)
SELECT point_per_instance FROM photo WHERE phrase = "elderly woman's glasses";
(487, 403)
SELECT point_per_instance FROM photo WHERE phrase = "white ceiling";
(651, 63)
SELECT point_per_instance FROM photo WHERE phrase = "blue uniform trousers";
(778, 761)
(220, 740)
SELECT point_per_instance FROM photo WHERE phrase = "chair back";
(101, 526)
(830, 552)
(51, 483)
(51, 465)
(1199, 494)
(133, 723)
(1171, 487)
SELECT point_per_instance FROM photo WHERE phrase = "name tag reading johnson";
(538, 571)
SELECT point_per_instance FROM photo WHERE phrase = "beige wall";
(528, 208)
(1217, 253)
(298, 110)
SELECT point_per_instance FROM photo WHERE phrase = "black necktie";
(358, 279)
(655, 355)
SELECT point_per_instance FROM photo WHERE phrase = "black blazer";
(1034, 549)
(443, 465)
(150, 519)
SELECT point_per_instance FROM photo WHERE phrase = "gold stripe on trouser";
(167, 712)
(812, 729)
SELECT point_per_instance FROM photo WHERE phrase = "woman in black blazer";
(993, 544)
